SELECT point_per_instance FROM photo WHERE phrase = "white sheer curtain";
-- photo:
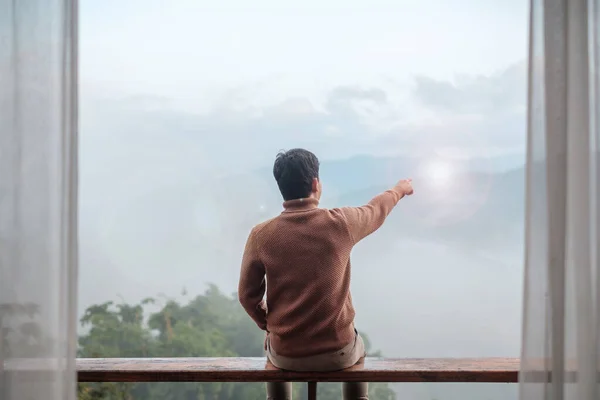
(38, 204)
(560, 324)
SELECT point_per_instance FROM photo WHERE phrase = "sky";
(340, 77)
(176, 48)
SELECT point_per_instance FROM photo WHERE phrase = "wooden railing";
(483, 370)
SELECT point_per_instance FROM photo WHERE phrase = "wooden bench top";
(259, 370)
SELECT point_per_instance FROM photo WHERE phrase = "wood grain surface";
(259, 370)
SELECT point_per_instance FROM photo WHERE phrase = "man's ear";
(315, 185)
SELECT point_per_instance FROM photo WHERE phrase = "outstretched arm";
(362, 221)
(252, 284)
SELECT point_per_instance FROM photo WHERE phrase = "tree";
(209, 325)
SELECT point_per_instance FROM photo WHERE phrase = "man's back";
(305, 255)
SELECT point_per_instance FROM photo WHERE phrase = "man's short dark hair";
(294, 171)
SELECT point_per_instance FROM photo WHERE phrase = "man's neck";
(304, 204)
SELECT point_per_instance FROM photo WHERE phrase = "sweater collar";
(296, 205)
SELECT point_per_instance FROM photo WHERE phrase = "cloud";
(473, 113)
(503, 92)
(136, 146)
(478, 114)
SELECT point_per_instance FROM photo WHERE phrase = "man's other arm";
(252, 285)
(364, 220)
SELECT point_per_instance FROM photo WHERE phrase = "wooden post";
(312, 390)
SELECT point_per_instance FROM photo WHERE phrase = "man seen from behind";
(304, 255)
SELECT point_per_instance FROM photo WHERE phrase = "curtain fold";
(559, 358)
(38, 199)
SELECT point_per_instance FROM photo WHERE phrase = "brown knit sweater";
(304, 253)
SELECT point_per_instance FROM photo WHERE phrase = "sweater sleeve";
(252, 285)
(364, 220)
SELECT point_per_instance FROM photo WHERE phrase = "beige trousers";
(341, 359)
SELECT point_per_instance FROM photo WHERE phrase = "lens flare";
(438, 173)
(448, 186)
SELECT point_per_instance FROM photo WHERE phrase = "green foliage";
(209, 325)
